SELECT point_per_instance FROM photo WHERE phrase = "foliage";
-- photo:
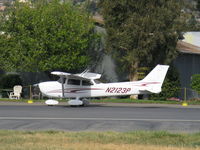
(7, 81)
(198, 5)
(191, 14)
(171, 86)
(142, 33)
(195, 83)
(45, 36)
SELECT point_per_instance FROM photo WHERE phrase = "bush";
(195, 83)
(171, 86)
(7, 81)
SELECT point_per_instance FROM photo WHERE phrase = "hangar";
(188, 61)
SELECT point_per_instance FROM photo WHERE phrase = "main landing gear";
(72, 102)
(78, 102)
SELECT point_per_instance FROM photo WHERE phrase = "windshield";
(60, 80)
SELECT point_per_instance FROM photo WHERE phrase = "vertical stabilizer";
(156, 77)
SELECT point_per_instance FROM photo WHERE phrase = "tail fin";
(156, 77)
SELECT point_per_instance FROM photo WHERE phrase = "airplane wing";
(58, 73)
(89, 75)
(84, 75)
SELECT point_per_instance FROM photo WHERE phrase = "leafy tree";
(191, 13)
(198, 5)
(196, 82)
(142, 32)
(44, 36)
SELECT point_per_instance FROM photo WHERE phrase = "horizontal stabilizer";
(154, 89)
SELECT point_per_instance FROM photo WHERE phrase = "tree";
(198, 5)
(195, 84)
(142, 33)
(45, 36)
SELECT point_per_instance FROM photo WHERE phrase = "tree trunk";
(133, 76)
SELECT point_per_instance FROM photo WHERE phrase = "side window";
(73, 82)
(86, 83)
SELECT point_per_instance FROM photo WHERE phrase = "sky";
(192, 38)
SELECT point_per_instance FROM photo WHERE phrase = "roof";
(188, 48)
(2, 8)
(98, 19)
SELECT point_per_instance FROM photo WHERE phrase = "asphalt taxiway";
(100, 117)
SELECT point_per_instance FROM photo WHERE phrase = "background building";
(188, 62)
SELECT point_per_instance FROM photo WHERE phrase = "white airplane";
(77, 87)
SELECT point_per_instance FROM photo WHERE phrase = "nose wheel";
(51, 102)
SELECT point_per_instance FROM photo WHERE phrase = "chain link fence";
(188, 94)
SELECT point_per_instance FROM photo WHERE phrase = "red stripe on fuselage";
(146, 83)
(74, 90)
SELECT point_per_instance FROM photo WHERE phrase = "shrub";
(195, 83)
(9, 80)
(171, 86)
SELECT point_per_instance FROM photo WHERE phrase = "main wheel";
(85, 102)
(75, 102)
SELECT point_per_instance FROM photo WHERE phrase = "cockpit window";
(86, 83)
(73, 82)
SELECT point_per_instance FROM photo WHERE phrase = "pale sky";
(192, 38)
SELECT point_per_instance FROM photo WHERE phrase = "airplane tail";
(155, 79)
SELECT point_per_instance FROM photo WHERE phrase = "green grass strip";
(12, 139)
(109, 100)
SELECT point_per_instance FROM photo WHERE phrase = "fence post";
(185, 98)
(185, 94)
(30, 92)
(30, 101)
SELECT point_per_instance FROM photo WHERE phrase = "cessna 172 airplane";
(86, 84)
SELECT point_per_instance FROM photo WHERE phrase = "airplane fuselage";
(85, 85)
(54, 89)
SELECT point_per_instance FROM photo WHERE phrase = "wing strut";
(62, 82)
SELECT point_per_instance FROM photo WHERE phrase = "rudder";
(156, 77)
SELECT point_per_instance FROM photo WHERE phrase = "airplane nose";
(42, 87)
(50, 88)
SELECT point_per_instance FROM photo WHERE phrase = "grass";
(17, 100)
(191, 102)
(109, 100)
(60, 140)
(135, 101)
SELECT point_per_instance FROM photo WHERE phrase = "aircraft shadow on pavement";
(109, 106)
